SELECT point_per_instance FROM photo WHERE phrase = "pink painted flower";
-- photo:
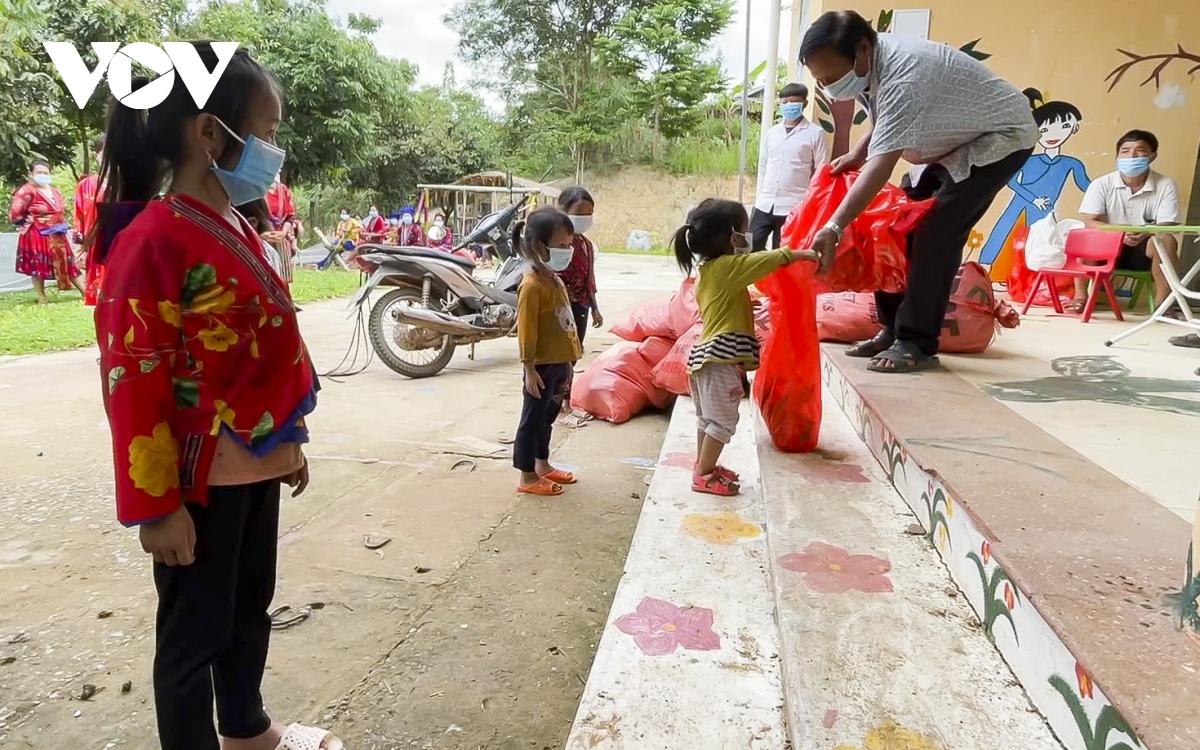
(985, 552)
(659, 627)
(832, 570)
(679, 460)
(1010, 596)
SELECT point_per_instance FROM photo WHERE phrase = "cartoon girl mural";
(1040, 182)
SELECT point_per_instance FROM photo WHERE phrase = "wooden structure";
(470, 198)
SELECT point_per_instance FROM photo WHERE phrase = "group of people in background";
(401, 229)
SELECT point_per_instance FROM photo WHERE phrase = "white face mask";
(439, 222)
(345, 216)
(582, 223)
(560, 258)
(42, 179)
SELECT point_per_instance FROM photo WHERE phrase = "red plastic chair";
(1096, 246)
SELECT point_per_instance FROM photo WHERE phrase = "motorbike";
(435, 303)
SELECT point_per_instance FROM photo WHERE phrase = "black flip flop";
(903, 357)
(1189, 341)
(872, 347)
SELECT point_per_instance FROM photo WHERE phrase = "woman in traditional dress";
(43, 248)
(375, 228)
(410, 234)
(207, 384)
(441, 237)
(87, 192)
(282, 234)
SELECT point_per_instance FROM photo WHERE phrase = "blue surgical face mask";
(43, 179)
(1133, 166)
(560, 258)
(849, 86)
(255, 171)
(791, 111)
(407, 219)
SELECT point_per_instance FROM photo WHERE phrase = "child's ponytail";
(683, 252)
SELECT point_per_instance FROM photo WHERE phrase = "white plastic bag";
(1046, 247)
(639, 241)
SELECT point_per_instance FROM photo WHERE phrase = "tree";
(661, 51)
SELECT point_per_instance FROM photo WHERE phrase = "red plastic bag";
(1020, 281)
(652, 318)
(671, 374)
(873, 253)
(787, 387)
(685, 311)
(617, 385)
(655, 349)
(970, 323)
(847, 317)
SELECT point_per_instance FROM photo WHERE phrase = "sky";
(413, 29)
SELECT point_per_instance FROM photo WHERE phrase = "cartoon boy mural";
(1040, 182)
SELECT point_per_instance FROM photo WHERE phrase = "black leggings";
(213, 630)
(581, 313)
(538, 415)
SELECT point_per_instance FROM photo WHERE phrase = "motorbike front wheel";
(421, 363)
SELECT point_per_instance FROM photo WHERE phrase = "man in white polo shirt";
(1134, 195)
(790, 153)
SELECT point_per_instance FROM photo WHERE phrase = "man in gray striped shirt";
(968, 130)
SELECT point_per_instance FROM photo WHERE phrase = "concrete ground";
(474, 627)
(1130, 408)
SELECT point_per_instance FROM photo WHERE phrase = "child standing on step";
(549, 346)
(715, 240)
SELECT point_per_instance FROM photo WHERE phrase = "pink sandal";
(715, 484)
(721, 471)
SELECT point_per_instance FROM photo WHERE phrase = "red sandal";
(715, 484)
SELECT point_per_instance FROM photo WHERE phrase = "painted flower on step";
(723, 528)
(833, 570)
(943, 536)
(154, 461)
(949, 507)
(1084, 678)
(893, 737)
(659, 627)
(1010, 596)
(985, 552)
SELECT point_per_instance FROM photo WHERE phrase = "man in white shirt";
(789, 155)
(934, 106)
(1134, 195)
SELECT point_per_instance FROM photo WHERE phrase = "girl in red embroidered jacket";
(206, 383)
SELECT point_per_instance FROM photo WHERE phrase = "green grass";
(29, 328)
(618, 250)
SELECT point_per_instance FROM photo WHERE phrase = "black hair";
(573, 196)
(143, 146)
(98, 143)
(840, 30)
(345, 209)
(794, 89)
(37, 162)
(1145, 136)
(535, 232)
(257, 214)
(1051, 112)
(708, 232)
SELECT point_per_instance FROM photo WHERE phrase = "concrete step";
(878, 648)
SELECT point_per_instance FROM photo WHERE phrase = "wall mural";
(1038, 186)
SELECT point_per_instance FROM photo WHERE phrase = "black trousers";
(935, 247)
(213, 630)
(581, 313)
(765, 225)
(538, 415)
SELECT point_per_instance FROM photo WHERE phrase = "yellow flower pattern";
(224, 415)
(723, 528)
(218, 338)
(171, 314)
(154, 461)
(893, 737)
(213, 299)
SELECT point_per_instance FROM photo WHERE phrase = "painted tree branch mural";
(838, 117)
(1163, 61)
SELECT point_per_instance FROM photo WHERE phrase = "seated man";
(1133, 195)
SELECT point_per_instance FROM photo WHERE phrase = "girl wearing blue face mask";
(548, 343)
(207, 383)
(43, 248)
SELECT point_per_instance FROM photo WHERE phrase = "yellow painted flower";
(892, 737)
(218, 339)
(224, 415)
(154, 461)
(943, 537)
(949, 507)
(723, 528)
(170, 313)
(213, 298)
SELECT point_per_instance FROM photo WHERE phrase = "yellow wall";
(1066, 49)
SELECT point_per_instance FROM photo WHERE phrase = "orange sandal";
(561, 476)
(543, 487)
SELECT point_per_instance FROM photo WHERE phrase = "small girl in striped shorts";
(715, 241)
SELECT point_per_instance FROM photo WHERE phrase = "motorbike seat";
(419, 252)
